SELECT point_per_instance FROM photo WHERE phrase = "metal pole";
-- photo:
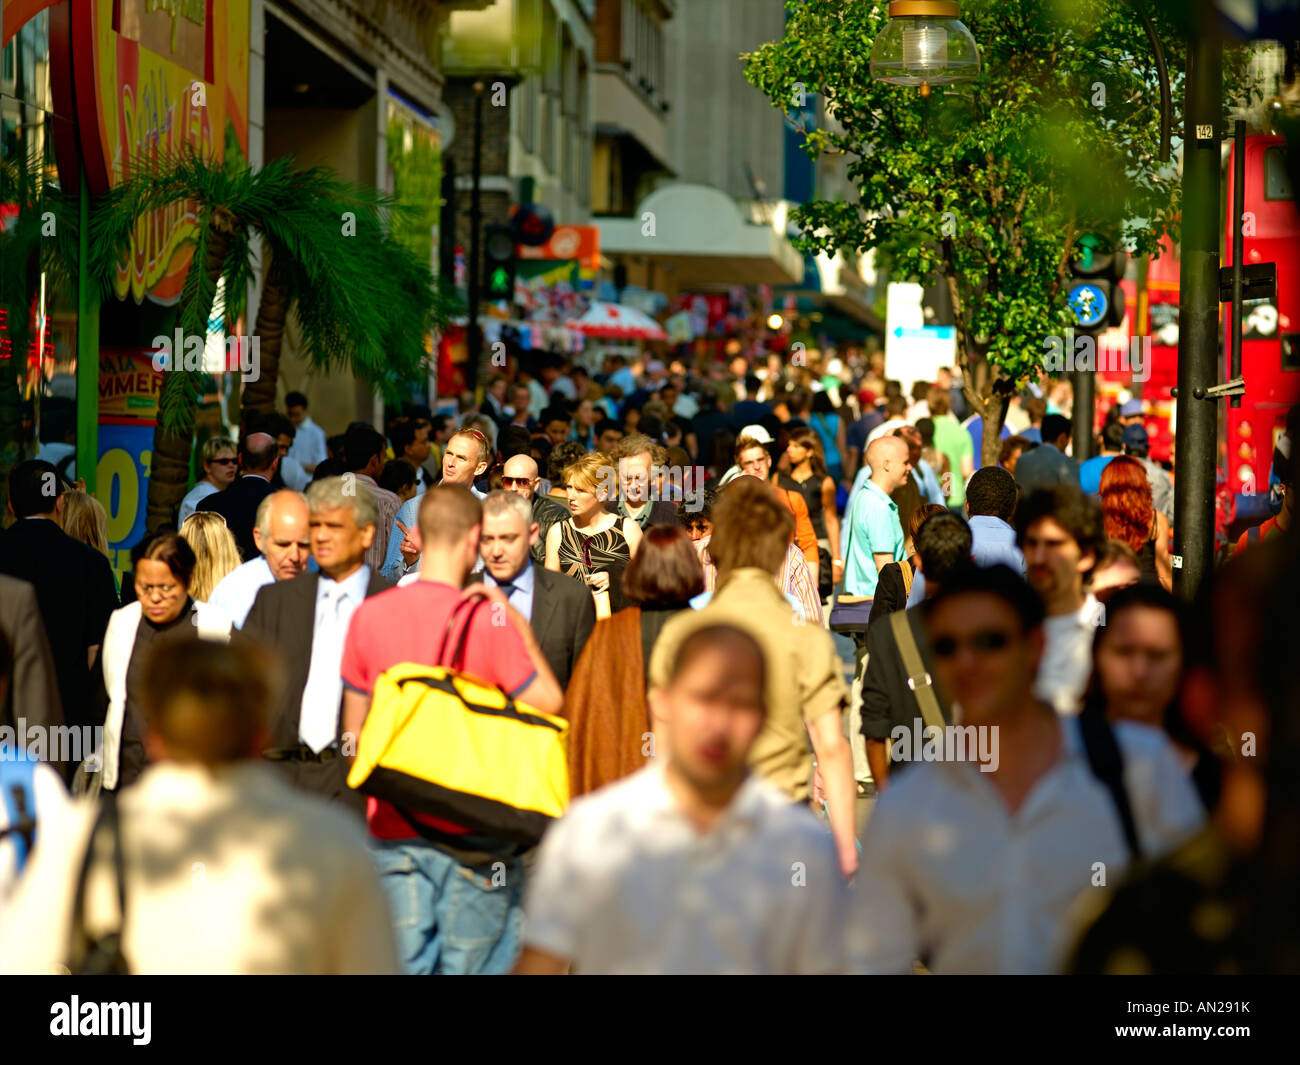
(87, 354)
(1085, 404)
(475, 333)
(1198, 341)
(1238, 209)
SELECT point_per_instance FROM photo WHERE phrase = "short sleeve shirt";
(875, 530)
(955, 442)
(406, 624)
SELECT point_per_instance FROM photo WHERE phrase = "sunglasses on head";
(985, 642)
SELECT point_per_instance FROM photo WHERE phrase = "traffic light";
(1096, 298)
(498, 263)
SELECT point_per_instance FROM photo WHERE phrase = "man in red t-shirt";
(457, 907)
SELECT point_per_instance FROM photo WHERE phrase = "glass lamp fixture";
(924, 43)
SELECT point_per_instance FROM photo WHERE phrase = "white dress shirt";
(949, 876)
(236, 591)
(323, 693)
(308, 445)
(625, 884)
(1066, 664)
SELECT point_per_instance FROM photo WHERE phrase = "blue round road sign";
(1089, 304)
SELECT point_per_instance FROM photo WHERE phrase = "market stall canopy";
(704, 238)
(616, 322)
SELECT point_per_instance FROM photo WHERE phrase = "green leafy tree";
(985, 186)
(365, 304)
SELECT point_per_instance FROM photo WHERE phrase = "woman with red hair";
(1131, 517)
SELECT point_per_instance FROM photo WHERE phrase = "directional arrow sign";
(926, 332)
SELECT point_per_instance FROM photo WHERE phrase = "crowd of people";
(836, 694)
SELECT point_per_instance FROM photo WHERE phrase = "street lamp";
(924, 43)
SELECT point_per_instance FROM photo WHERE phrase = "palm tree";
(365, 304)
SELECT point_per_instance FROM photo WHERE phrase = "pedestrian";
(973, 859)
(953, 442)
(1048, 464)
(282, 535)
(309, 445)
(1112, 445)
(897, 688)
(215, 552)
(1137, 446)
(855, 437)
(163, 613)
(290, 472)
(636, 457)
(1138, 660)
(411, 442)
(32, 690)
(808, 475)
(305, 617)
(519, 474)
(74, 584)
(619, 887)
(363, 455)
(1059, 530)
(1116, 568)
(593, 543)
(1009, 454)
(896, 580)
(31, 788)
(401, 478)
(220, 464)
(826, 421)
(224, 868)
(753, 459)
(452, 911)
(1129, 515)
(83, 519)
(873, 533)
(559, 608)
(259, 458)
(465, 459)
(1225, 901)
(610, 732)
(805, 681)
(991, 498)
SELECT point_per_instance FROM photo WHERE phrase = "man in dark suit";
(307, 618)
(559, 609)
(259, 457)
(75, 590)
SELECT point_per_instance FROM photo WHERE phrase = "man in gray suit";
(559, 608)
(34, 691)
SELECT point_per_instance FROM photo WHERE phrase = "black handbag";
(102, 956)
(849, 613)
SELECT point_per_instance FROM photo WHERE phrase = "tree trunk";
(995, 416)
(169, 469)
(258, 395)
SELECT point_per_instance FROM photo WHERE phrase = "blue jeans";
(447, 917)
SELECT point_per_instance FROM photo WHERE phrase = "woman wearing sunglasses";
(220, 465)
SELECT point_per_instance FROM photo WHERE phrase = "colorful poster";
(128, 385)
(125, 452)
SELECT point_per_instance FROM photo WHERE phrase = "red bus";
(1270, 349)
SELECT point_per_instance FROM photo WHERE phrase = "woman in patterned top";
(593, 544)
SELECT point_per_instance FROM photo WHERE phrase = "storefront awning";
(703, 237)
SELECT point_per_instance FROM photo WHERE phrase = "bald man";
(259, 457)
(873, 534)
(282, 536)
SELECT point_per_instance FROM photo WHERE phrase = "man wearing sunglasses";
(220, 465)
(974, 864)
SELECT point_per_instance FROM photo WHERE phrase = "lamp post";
(923, 44)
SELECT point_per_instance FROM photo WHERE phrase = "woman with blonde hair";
(215, 551)
(82, 517)
(593, 544)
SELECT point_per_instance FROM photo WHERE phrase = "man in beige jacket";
(227, 868)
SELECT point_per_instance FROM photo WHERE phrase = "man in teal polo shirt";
(874, 536)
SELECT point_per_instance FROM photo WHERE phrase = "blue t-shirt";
(1090, 473)
(976, 430)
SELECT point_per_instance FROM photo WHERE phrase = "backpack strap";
(918, 679)
(1107, 763)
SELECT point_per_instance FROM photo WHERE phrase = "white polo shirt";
(1066, 665)
(625, 884)
(948, 875)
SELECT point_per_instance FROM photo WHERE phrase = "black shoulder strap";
(1107, 764)
(103, 955)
